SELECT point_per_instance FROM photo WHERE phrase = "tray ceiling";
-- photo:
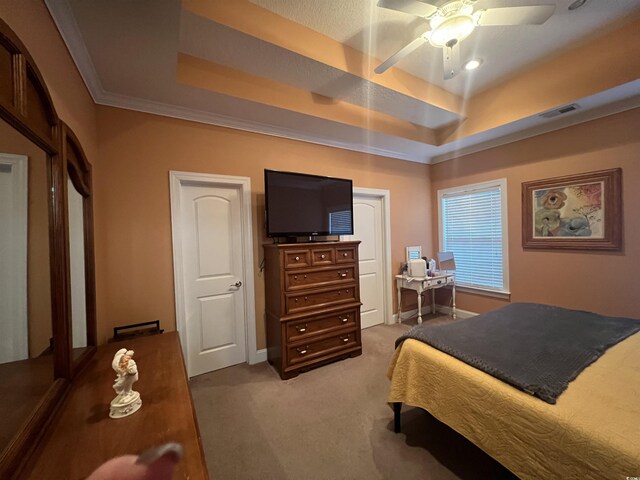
(303, 69)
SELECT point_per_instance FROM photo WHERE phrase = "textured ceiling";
(243, 52)
(303, 69)
(504, 50)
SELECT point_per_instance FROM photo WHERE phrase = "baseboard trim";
(459, 313)
(406, 315)
(259, 357)
(439, 308)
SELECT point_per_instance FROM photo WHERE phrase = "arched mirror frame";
(78, 169)
(26, 105)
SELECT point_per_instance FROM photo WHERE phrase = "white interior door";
(14, 330)
(75, 208)
(210, 228)
(368, 227)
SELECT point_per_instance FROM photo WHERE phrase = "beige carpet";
(329, 423)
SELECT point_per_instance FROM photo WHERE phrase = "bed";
(592, 432)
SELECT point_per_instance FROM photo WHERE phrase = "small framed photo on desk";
(414, 253)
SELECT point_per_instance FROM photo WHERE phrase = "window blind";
(340, 222)
(472, 229)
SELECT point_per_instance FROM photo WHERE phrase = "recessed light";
(472, 64)
(577, 4)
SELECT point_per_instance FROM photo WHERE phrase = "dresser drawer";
(326, 346)
(299, 302)
(323, 256)
(346, 254)
(439, 281)
(297, 258)
(299, 330)
(300, 279)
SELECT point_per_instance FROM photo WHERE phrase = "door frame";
(20, 175)
(177, 180)
(385, 196)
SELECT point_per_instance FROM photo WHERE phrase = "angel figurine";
(127, 401)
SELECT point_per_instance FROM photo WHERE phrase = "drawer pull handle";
(322, 256)
(345, 319)
(305, 299)
(296, 299)
(302, 351)
(344, 339)
(345, 254)
(305, 276)
(301, 329)
(342, 274)
(295, 277)
(297, 259)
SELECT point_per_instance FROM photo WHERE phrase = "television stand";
(312, 300)
(311, 239)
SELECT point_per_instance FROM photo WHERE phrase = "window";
(340, 222)
(473, 225)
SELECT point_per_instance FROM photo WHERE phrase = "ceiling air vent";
(559, 111)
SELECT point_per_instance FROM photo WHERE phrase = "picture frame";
(573, 212)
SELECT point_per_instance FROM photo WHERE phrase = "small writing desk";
(421, 284)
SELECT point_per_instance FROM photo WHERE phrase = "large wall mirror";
(26, 329)
(79, 202)
(47, 287)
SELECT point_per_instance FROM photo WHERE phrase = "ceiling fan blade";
(451, 60)
(400, 54)
(531, 15)
(414, 7)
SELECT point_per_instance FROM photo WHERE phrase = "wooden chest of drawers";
(312, 304)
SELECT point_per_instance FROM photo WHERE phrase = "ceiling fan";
(453, 22)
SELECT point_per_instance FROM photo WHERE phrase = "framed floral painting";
(576, 212)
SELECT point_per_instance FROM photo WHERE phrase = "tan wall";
(607, 283)
(137, 151)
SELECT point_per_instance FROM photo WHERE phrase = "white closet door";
(14, 330)
(368, 228)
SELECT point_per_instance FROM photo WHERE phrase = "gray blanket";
(536, 348)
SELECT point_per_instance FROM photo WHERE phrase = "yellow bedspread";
(593, 432)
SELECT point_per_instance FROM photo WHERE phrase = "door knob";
(238, 284)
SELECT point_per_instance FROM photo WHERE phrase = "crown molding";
(184, 113)
(70, 32)
(580, 116)
(65, 21)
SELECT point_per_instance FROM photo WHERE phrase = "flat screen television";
(301, 205)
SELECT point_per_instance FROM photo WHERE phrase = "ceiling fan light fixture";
(473, 64)
(577, 4)
(457, 28)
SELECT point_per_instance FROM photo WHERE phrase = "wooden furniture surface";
(82, 435)
(312, 304)
(29, 381)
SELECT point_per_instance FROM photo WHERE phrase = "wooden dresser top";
(83, 436)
